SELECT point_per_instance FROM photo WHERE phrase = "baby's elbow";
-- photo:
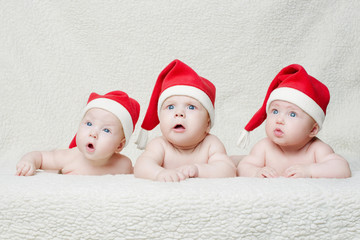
(230, 170)
(136, 171)
(347, 171)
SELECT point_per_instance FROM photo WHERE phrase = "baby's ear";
(315, 129)
(121, 146)
(208, 126)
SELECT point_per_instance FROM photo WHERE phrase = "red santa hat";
(294, 85)
(177, 79)
(118, 103)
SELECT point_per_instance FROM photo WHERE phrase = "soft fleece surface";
(51, 206)
(53, 54)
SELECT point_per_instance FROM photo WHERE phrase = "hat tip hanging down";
(294, 85)
(244, 139)
(176, 78)
(142, 139)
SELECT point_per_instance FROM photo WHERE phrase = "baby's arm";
(28, 164)
(219, 164)
(149, 164)
(253, 165)
(328, 165)
(32, 161)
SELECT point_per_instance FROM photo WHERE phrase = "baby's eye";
(89, 124)
(275, 111)
(106, 130)
(292, 114)
(191, 107)
(170, 107)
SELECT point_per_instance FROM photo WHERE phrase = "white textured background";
(54, 53)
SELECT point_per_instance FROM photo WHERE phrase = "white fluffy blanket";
(54, 53)
(51, 206)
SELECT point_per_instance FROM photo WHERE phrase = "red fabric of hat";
(126, 109)
(178, 79)
(293, 84)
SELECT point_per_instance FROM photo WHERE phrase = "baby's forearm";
(247, 170)
(146, 169)
(28, 164)
(332, 168)
(218, 169)
(34, 158)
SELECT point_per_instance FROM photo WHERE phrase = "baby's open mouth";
(90, 146)
(179, 126)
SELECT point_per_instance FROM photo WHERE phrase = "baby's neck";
(185, 149)
(296, 149)
(98, 162)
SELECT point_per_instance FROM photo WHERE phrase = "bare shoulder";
(122, 164)
(322, 151)
(263, 145)
(158, 142)
(155, 150)
(212, 140)
(319, 147)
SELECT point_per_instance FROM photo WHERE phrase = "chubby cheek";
(268, 128)
(106, 148)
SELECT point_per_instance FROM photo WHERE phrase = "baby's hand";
(267, 172)
(189, 171)
(25, 168)
(170, 175)
(298, 171)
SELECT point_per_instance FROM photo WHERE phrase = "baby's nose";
(280, 119)
(180, 114)
(93, 134)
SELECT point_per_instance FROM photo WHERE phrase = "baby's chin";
(184, 144)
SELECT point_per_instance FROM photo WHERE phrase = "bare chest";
(80, 167)
(280, 161)
(174, 159)
(84, 169)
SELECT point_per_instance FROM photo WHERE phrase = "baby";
(183, 103)
(294, 109)
(108, 122)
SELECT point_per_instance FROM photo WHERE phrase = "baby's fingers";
(26, 170)
(181, 176)
(18, 170)
(23, 170)
(193, 172)
(292, 172)
(267, 173)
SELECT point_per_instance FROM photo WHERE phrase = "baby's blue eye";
(171, 107)
(191, 107)
(292, 114)
(89, 124)
(106, 130)
(275, 111)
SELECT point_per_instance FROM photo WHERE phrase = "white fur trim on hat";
(196, 93)
(300, 99)
(118, 110)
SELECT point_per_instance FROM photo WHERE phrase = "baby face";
(184, 121)
(100, 135)
(289, 125)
